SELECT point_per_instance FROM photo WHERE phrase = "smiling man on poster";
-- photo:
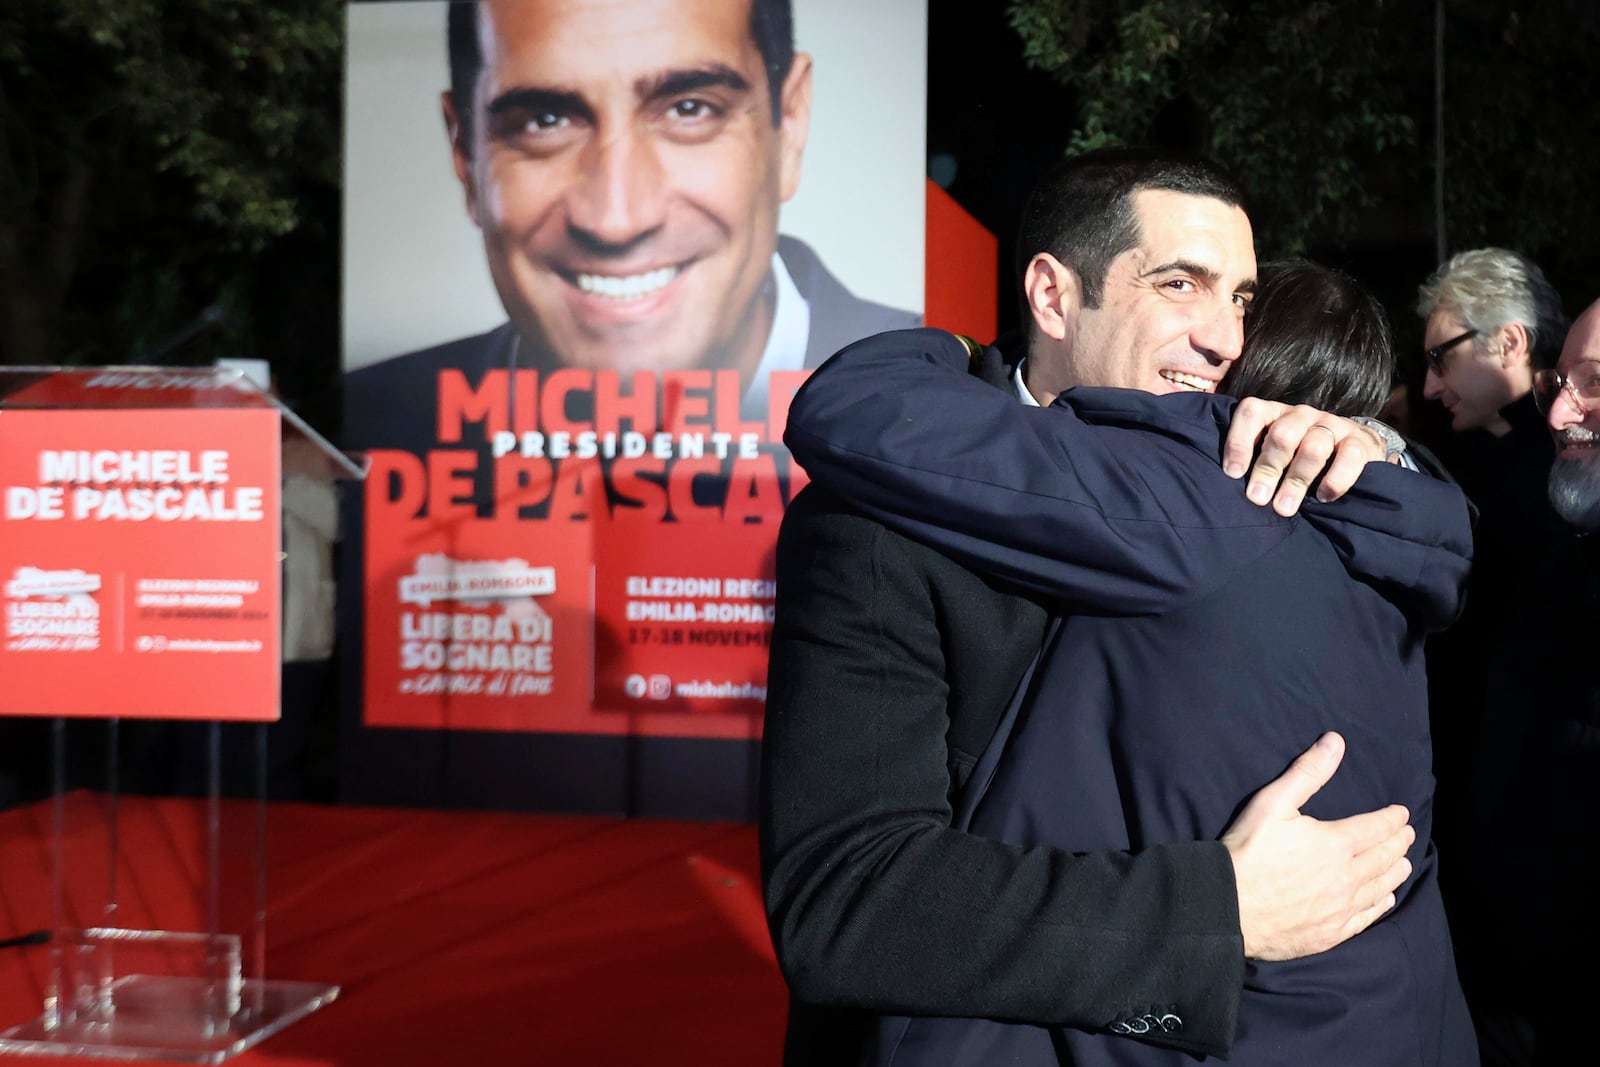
(625, 162)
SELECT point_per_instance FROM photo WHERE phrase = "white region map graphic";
(52, 611)
(477, 629)
(439, 577)
(34, 581)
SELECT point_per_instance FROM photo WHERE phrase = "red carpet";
(458, 938)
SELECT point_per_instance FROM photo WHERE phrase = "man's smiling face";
(1171, 314)
(626, 169)
(1575, 475)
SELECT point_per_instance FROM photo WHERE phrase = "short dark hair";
(1314, 336)
(1082, 213)
(771, 26)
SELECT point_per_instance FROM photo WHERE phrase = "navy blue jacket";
(1204, 642)
(890, 666)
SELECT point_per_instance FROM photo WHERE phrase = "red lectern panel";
(139, 563)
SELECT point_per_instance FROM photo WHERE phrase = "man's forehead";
(1184, 227)
(631, 40)
(1445, 322)
(1583, 340)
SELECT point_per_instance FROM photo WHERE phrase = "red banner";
(139, 388)
(615, 578)
(573, 392)
(140, 563)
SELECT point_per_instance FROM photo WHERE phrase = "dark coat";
(890, 664)
(1505, 477)
(1206, 643)
(1535, 813)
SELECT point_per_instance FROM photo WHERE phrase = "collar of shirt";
(1022, 390)
(786, 342)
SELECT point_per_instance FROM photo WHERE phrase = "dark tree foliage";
(1325, 111)
(161, 156)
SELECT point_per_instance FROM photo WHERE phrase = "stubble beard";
(1575, 480)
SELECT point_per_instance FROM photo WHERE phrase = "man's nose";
(1564, 412)
(619, 195)
(1432, 385)
(1220, 335)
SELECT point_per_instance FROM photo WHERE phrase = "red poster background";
(619, 664)
(138, 388)
(549, 690)
(657, 673)
(185, 612)
(656, 616)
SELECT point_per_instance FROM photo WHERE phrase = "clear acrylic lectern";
(141, 579)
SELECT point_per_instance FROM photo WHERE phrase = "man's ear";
(794, 124)
(1515, 350)
(460, 153)
(1054, 295)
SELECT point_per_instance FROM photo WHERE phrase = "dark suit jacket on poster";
(890, 665)
(1204, 643)
(391, 403)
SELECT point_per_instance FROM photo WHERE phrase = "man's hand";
(1304, 885)
(1296, 443)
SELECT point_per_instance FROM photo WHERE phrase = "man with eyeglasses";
(1569, 396)
(1536, 927)
(1491, 319)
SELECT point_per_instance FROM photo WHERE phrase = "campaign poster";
(139, 569)
(591, 251)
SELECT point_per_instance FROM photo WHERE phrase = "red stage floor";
(457, 938)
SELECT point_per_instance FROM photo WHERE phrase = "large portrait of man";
(623, 163)
(591, 248)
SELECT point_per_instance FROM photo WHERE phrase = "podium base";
(165, 1018)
